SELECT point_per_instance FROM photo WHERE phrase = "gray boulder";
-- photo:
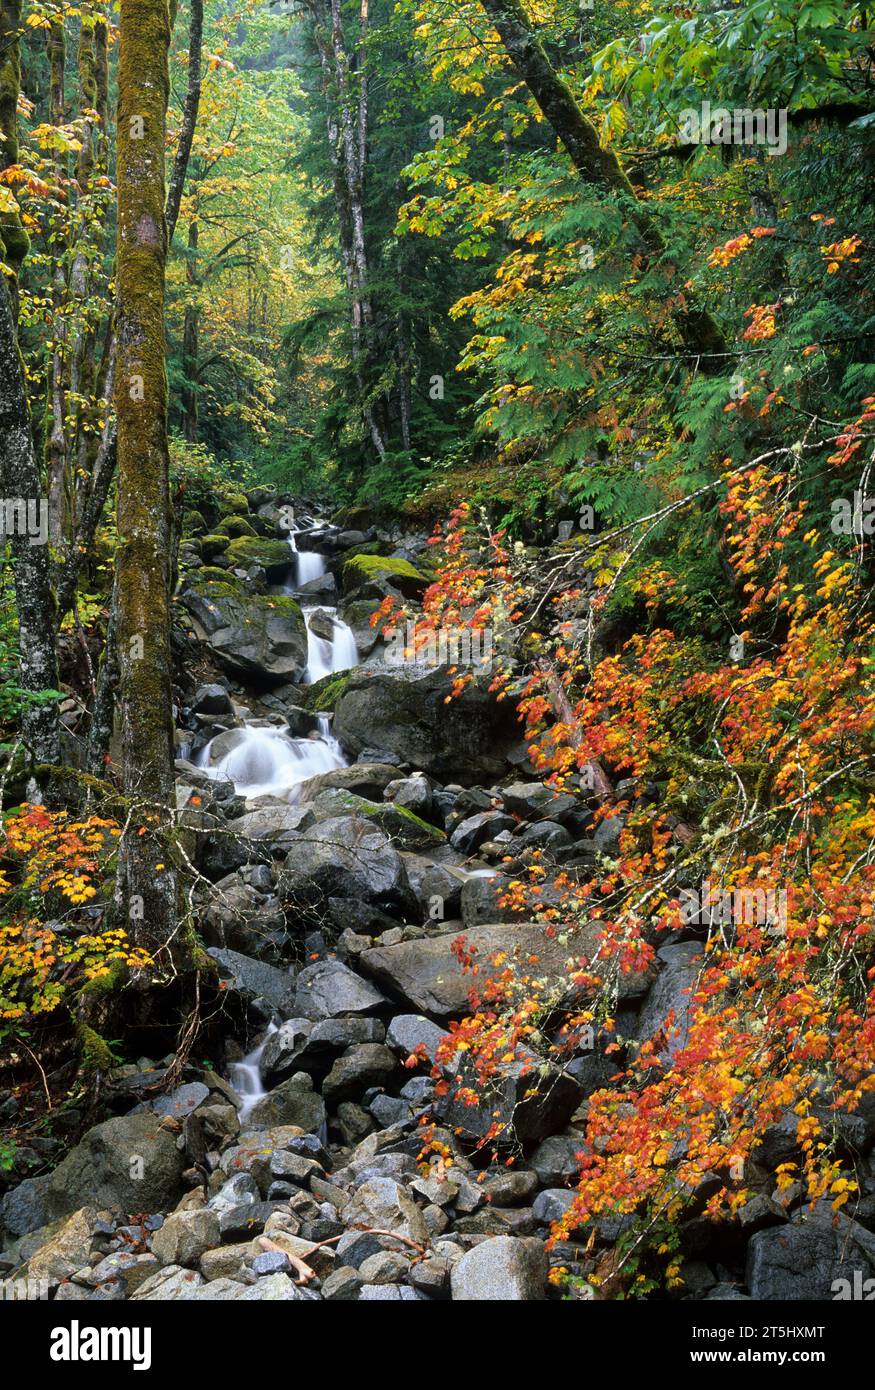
(249, 634)
(404, 712)
(293, 1102)
(679, 968)
(328, 988)
(427, 972)
(253, 979)
(815, 1257)
(128, 1164)
(361, 1066)
(534, 801)
(502, 1269)
(346, 857)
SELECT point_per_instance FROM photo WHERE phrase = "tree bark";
(347, 143)
(146, 881)
(190, 343)
(189, 117)
(56, 435)
(596, 166)
(21, 485)
(14, 240)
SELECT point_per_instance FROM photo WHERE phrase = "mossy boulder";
(353, 519)
(274, 557)
(405, 829)
(213, 545)
(322, 696)
(238, 526)
(101, 1170)
(384, 572)
(232, 504)
(251, 635)
(193, 524)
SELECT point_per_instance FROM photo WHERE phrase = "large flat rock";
(427, 973)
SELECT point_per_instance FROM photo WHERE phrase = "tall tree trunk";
(22, 489)
(21, 493)
(189, 117)
(190, 343)
(347, 143)
(56, 433)
(596, 166)
(14, 239)
(146, 884)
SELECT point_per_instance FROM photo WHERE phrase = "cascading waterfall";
(245, 1077)
(309, 564)
(264, 761)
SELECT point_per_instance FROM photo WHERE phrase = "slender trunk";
(146, 884)
(189, 117)
(190, 343)
(14, 241)
(101, 72)
(103, 708)
(24, 505)
(347, 141)
(56, 435)
(596, 166)
(404, 374)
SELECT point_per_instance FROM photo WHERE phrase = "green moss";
(360, 569)
(233, 504)
(95, 1053)
(282, 603)
(353, 518)
(246, 551)
(193, 524)
(214, 583)
(324, 694)
(408, 829)
(366, 548)
(16, 242)
(239, 526)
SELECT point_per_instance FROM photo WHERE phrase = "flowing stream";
(245, 1077)
(265, 761)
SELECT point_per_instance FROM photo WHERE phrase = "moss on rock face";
(193, 524)
(95, 1054)
(353, 518)
(238, 526)
(274, 557)
(233, 504)
(322, 695)
(408, 830)
(260, 635)
(213, 545)
(364, 569)
(211, 580)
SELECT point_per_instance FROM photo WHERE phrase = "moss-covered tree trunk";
(14, 239)
(23, 504)
(146, 891)
(21, 489)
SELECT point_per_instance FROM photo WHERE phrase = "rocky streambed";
(348, 826)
